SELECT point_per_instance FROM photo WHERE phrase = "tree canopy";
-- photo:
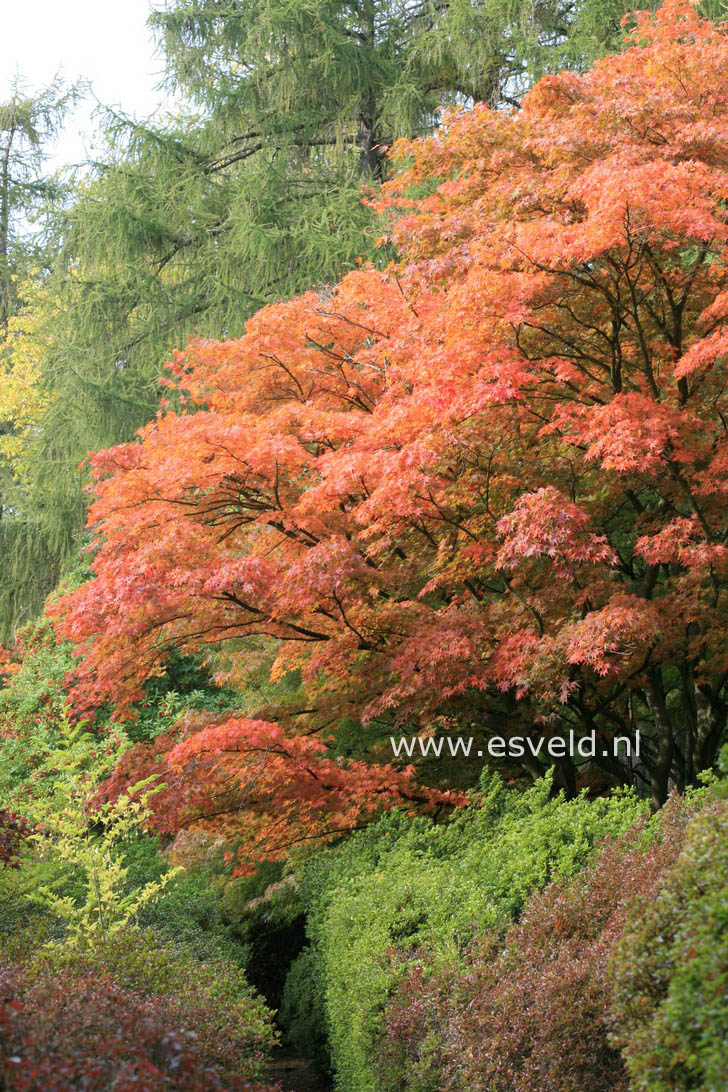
(248, 194)
(486, 484)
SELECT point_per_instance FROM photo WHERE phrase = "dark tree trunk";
(710, 725)
(660, 779)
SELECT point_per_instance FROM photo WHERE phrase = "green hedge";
(671, 970)
(406, 884)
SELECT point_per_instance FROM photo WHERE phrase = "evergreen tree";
(366, 71)
(30, 197)
(27, 125)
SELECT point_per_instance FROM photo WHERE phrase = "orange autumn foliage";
(492, 477)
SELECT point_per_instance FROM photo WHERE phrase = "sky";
(103, 41)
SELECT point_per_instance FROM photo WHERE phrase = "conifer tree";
(30, 197)
(27, 125)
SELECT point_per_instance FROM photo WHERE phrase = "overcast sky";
(104, 41)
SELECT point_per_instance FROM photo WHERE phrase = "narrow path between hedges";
(294, 1073)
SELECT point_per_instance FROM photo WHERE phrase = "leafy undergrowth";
(133, 1011)
(512, 953)
(404, 887)
(613, 979)
(671, 970)
(64, 1029)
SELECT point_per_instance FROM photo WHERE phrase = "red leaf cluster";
(258, 787)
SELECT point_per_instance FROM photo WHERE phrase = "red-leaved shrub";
(67, 1031)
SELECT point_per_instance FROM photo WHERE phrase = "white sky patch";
(105, 42)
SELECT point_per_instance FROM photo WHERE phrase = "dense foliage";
(248, 193)
(477, 492)
(483, 957)
(95, 921)
(13, 831)
(486, 485)
(671, 970)
(401, 887)
(31, 199)
(63, 1030)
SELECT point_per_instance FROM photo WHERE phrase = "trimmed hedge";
(403, 887)
(531, 1011)
(671, 970)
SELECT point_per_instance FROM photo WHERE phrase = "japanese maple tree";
(489, 483)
